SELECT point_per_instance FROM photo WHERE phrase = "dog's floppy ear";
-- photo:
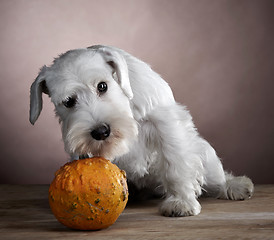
(119, 65)
(36, 90)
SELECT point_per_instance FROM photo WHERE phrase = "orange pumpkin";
(88, 194)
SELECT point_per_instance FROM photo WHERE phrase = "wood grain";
(25, 214)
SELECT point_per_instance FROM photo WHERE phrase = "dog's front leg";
(180, 167)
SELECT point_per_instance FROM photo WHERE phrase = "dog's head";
(91, 91)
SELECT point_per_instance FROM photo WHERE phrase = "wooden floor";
(25, 214)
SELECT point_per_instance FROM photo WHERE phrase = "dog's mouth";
(101, 140)
(84, 156)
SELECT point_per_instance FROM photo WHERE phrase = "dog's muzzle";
(101, 132)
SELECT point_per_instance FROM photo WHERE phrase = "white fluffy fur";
(152, 137)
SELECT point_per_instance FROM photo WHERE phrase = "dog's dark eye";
(70, 102)
(102, 87)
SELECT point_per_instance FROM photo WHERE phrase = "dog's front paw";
(176, 207)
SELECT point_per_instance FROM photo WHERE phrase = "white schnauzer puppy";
(113, 105)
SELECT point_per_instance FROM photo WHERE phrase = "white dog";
(111, 104)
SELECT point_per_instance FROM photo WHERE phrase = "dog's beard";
(78, 140)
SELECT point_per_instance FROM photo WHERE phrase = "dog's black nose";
(101, 132)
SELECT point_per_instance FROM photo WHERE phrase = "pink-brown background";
(216, 55)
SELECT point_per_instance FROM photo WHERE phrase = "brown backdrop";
(216, 55)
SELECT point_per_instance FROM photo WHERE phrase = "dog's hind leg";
(221, 184)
